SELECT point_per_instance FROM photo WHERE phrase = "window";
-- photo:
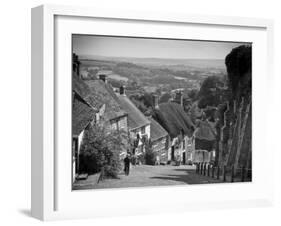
(97, 117)
(114, 126)
(122, 123)
(143, 130)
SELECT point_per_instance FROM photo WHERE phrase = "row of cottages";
(98, 94)
(191, 140)
(85, 112)
(115, 111)
(172, 117)
(92, 102)
(120, 112)
(138, 125)
(114, 117)
(141, 126)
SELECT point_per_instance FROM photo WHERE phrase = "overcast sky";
(150, 48)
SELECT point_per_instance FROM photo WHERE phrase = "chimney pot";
(155, 101)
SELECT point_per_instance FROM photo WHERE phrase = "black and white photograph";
(160, 112)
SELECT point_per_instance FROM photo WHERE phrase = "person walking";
(127, 165)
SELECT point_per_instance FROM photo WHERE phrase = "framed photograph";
(137, 112)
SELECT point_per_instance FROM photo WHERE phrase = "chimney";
(155, 101)
(103, 77)
(122, 90)
(179, 97)
(76, 64)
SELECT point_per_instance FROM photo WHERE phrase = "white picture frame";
(52, 198)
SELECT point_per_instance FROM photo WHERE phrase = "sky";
(150, 48)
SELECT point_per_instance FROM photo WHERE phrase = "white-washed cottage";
(138, 124)
(172, 117)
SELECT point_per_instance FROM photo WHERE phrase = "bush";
(150, 157)
(100, 151)
(88, 164)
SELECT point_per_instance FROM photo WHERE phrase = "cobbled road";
(144, 175)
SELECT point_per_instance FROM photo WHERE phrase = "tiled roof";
(136, 118)
(82, 114)
(80, 87)
(174, 119)
(156, 130)
(103, 93)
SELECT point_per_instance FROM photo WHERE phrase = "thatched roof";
(156, 130)
(136, 118)
(173, 118)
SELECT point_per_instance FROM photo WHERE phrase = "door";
(183, 158)
(173, 153)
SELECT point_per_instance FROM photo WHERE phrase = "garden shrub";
(100, 151)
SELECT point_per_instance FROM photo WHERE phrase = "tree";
(148, 100)
(210, 93)
(164, 98)
(142, 102)
(192, 94)
(100, 151)
(150, 157)
(239, 69)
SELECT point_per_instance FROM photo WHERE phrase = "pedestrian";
(127, 165)
(157, 160)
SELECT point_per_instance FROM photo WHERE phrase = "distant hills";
(153, 73)
(193, 63)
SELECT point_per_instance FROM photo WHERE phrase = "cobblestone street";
(145, 175)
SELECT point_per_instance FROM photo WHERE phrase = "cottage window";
(114, 126)
(97, 117)
(122, 123)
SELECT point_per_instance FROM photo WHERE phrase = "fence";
(227, 174)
